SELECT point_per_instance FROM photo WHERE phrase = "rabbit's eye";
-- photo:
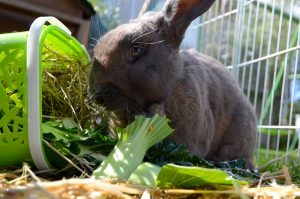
(136, 52)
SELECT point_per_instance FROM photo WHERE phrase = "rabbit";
(139, 68)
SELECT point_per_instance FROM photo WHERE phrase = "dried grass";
(25, 183)
(64, 89)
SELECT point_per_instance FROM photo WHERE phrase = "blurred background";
(17, 15)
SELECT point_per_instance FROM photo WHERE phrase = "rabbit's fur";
(139, 68)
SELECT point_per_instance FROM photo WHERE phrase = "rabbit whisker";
(141, 111)
(91, 96)
(151, 43)
(144, 34)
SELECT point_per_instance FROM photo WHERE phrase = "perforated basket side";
(21, 90)
(13, 109)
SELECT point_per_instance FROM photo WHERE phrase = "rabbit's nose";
(100, 100)
(106, 93)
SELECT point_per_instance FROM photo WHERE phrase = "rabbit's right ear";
(180, 13)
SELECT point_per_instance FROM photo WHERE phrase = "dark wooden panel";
(64, 6)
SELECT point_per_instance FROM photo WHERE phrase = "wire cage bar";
(260, 44)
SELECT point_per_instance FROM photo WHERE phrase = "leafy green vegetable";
(65, 136)
(189, 177)
(132, 145)
(93, 145)
(68, 123)
(168, 151)
(145, 174)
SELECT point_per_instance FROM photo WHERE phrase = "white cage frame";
(269, 76)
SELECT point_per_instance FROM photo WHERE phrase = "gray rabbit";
(138, 68)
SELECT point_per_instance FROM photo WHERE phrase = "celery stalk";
(132, 146)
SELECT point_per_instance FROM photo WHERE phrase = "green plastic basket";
(21, 88)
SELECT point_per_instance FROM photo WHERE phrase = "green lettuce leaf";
(170, 152)
(171, 176)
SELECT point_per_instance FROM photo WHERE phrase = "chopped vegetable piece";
(145, 174)
(132, 145)
(190, 177)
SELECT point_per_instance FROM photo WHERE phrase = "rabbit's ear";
(180, 13)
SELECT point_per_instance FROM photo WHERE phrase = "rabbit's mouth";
(113, 99)
(110, 97)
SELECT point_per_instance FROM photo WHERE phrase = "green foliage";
(109, 13)
(94, 144)
(167, 151)
(295, 171)
(90, 144)
(190, 177)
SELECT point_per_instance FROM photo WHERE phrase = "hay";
(25, 183)
(65, 93)
(64, 89)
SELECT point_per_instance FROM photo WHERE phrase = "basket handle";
(33, 89)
